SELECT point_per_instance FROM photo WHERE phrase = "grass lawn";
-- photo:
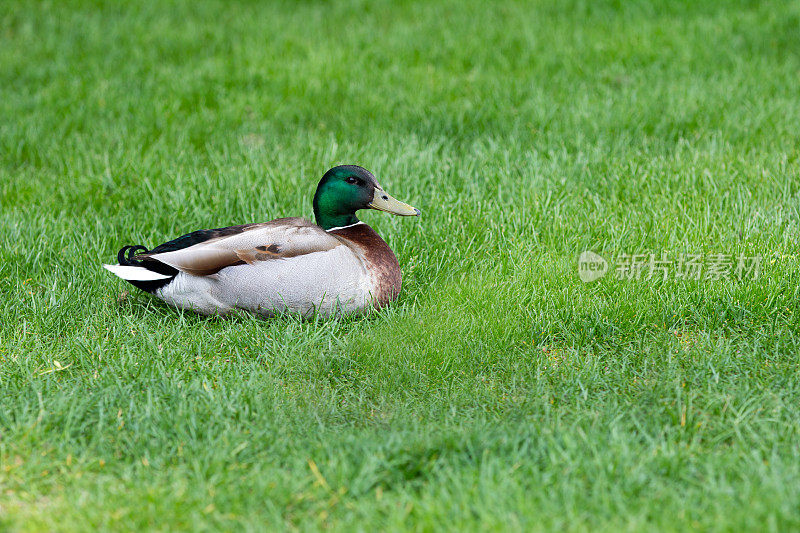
(500, 392)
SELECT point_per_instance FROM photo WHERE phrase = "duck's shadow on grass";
(139, 306)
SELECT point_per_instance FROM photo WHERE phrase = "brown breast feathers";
(380, 259)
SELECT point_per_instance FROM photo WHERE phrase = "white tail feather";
(135, 273)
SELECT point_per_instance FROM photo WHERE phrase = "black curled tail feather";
(127, 257)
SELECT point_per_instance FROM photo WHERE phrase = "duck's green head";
(345, 189)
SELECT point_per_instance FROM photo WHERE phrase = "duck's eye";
(351, 179)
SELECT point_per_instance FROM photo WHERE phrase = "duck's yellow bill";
(383, 202)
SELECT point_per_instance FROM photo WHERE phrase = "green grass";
(500, 392)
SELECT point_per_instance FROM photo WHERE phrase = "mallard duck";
(338, 265)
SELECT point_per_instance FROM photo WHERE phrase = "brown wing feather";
(277, 239)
